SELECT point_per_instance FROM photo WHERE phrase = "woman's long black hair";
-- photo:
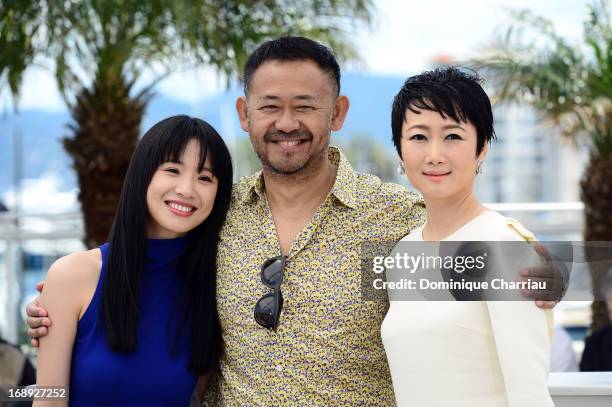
(166, 141)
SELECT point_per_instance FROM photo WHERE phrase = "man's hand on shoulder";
(553, 274)
(37, 320)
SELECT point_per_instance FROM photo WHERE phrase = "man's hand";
(38, 320)
(549, 273)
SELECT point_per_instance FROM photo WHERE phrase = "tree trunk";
(596, 186)
(105, 132)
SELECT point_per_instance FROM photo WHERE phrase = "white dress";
(472, 353)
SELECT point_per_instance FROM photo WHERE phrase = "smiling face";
(180, 197)
(439, 154)
(290, 112)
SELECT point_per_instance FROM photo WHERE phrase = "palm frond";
(569, 84)
(89, 38)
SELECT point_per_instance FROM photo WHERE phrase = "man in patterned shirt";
(309, 339)
(308, 205)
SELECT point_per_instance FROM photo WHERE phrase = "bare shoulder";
(77, 272)
(78, 265)
(70, 284)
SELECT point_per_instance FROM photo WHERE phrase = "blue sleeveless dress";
(155, 374)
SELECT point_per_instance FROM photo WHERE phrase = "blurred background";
(81, 80)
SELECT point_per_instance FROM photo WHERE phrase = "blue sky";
(405, 36)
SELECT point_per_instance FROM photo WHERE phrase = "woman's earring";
(400, 168)
(479, 167)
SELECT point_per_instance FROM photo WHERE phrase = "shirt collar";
(346, 179)
(343, 189)
(255, 187)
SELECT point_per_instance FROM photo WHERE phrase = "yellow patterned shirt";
(327, 349)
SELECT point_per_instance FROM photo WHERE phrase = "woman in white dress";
(451, 353)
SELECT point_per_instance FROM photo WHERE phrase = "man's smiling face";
(289, 113)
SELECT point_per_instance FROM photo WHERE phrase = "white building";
(530, 162)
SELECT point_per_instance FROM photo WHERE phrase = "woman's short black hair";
(288, 49)
(166, 141)
(452, 93)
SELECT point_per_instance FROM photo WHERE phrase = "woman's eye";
(454, 137)
(205, 178)
(418, 137)
(172, 170)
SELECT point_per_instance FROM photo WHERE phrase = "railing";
(593, 389)
(29, 243)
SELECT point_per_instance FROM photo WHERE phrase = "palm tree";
(98, 51)
(570, 85)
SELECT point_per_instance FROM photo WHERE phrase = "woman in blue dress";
(135, 321)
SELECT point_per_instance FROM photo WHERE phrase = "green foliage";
(368, 156)
(244, 158)
(84, 41)
(16, 35)
(571, 84)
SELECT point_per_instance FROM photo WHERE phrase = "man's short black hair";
(292, 49)
(452, 93)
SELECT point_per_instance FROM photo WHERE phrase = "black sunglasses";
(268, 308)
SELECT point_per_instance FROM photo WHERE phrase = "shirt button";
(279, 368)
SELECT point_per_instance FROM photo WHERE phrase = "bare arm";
(62, 297)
